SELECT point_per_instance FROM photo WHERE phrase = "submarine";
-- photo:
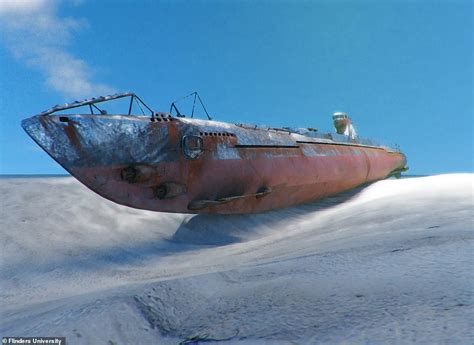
(165, 162)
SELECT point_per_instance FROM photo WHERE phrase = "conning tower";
(343, 124)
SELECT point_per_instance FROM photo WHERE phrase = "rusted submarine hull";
(185, 165)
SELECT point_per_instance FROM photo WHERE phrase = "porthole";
(192, 146)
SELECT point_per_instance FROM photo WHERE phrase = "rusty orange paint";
(290, 180)
(141, 163)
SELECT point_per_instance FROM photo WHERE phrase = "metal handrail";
(91, 102)
(196, 95)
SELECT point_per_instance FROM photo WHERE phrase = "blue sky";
(403, 70)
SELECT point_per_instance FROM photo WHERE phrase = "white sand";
(391, 263)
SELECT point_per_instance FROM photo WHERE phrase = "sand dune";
(388, 263)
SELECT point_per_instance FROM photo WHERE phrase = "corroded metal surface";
(147, 162)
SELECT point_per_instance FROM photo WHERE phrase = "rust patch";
(139, 163)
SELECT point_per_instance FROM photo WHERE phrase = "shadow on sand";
(194, 233)
(218, 230)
